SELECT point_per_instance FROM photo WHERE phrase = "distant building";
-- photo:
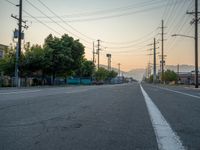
(187, 77)
(2, 50)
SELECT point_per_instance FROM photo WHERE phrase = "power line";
(166, 9)
(55, 21)
(64, 21)
(36, 19)
(116, 15)
(171, 13)
(42, 23)
(133, 41)
(175, 15)
(176, 27)
(47, 26)
(113, 10)
(11, 2)
(130, 46)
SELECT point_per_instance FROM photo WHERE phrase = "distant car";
(98, 82)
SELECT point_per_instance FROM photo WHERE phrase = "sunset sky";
(126, 28)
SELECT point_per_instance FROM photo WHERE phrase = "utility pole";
(195, 21)
(93, 54)
(20, 27)
(149, 64)
(196, 44)
(119, 69)
(162, 64)
(18, 46)
(98, 49)
(154, 61)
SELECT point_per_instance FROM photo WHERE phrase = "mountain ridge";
(138, 73)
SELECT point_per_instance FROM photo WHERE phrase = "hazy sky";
(125, 27)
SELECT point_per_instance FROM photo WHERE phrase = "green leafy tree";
(101, 74)
(63, 55)
(112, 74)
(33, 62)
(170, 75)
(87, 68)
(7, 64)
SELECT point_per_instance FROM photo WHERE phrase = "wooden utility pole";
(196, 44)
(162, 55)
(98, 49)
(195, 22)
(93, 54)
(154, 61)
(18, 45)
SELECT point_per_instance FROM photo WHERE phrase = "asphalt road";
(108, 117)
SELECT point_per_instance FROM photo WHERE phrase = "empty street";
(111, 117)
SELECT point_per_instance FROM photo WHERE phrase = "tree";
(112, 74)
(87, 68)
(33, 62)
(63, 55)
(170, 75)
(104, 74)
(101, 74)
(7, 64)
(58, 57)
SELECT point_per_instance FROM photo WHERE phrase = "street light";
(184, 36)
(196, 58)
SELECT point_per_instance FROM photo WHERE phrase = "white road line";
(19, 92)
(166, 138)
(194, 96)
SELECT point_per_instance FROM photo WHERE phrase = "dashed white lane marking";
(166, 138)
(194, 96)
(20, 92)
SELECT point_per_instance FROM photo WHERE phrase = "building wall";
(2, 49)
(187, 78)
(1, 53)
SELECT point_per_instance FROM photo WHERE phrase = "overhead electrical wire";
(178, 9)
(116, 15)
(171, 12)
(64, 21)
(129, 44)
(178, 27)
(55, 22)
(11, 2)
(133, 41)
(113, 10)
(47, 26)
(42, 23)
(36, 19)
(166, 9)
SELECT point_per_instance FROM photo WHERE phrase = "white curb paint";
(166, 138)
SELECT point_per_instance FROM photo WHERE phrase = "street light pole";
(154, 61)
(184, 36)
